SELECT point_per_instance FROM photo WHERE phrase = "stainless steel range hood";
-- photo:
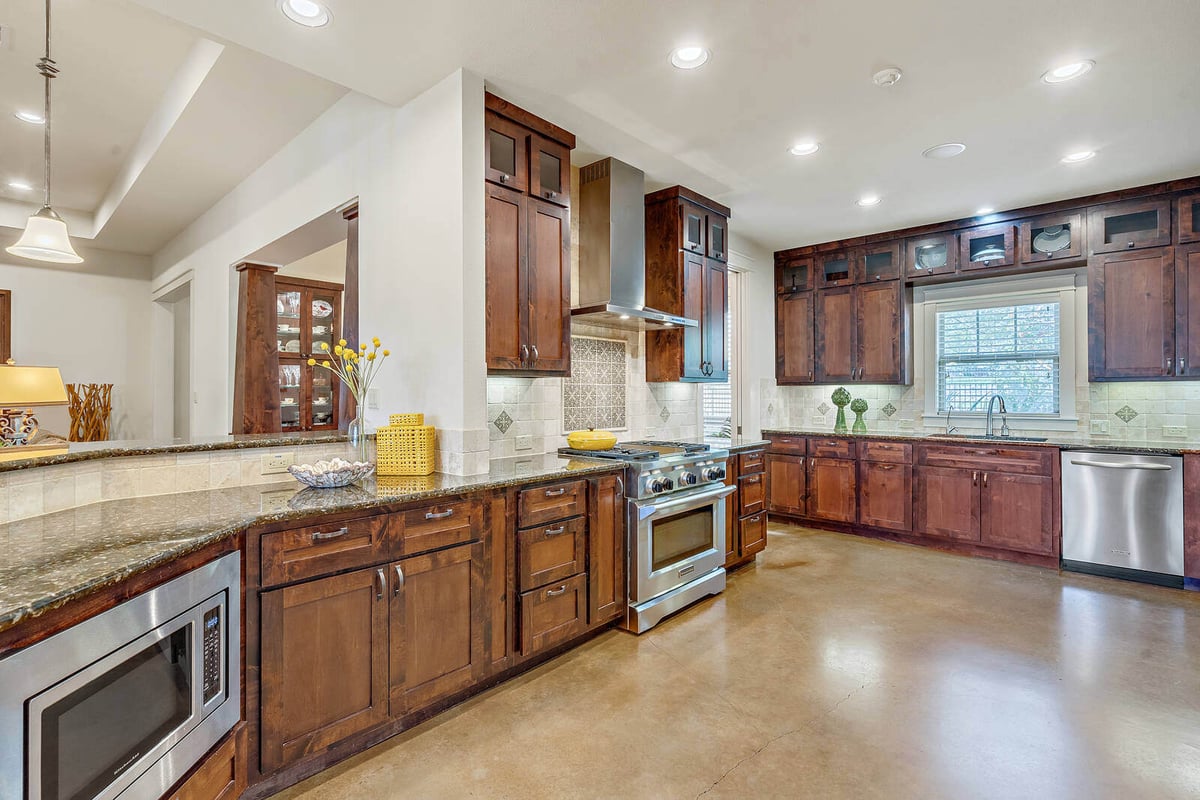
(612, 251)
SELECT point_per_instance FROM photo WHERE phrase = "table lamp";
(22, 388)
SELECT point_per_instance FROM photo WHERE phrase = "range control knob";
(689, 479)
(660, 485)
(714, 474)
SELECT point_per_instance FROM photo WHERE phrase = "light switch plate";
(1100, 427)
(523, 443)
(1175, 431)
(275, 463)
(373, 398)
(5, 37)
(906, 424)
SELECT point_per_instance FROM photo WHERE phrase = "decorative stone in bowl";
(331, 474)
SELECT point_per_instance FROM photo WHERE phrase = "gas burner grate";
(687, 447)
(618, 453)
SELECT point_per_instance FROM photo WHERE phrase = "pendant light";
(45, 237)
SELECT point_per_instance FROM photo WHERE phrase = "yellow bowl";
(591, 440)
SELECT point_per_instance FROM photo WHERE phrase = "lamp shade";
(45, 239)
(31, 386)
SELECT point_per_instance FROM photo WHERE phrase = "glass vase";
(358, 436)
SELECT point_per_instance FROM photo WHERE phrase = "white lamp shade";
(46, 239)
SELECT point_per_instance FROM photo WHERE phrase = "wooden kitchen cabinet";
(839, 268)
(787, 484)
(861, 334)
(1060, 233)
(881, 262)
(683, 278)
(936, 254)
(222, 773)
(1187, 218)
(832, 489)
(987, 247)
(308, 315)
(1130, 225)
(324, 663)
(794, 275)
(835, 335)
(606, 549)
(885, 495)
(947, 503)
(528, 241)
(1131, 315)
(746, 509)
(1187, 311)
(794, 346)
(752, 535)
(718, 237)
(1016, 512)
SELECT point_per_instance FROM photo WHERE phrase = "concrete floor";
(838, 667)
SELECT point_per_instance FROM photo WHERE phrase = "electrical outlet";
(373, 398)
(906, 424)
(5, 37)
(276, 502)
(1100, 427)
(524, 443)
(275, 463)
(1175, 431)
(818, 419)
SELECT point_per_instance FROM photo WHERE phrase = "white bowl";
(324, 475)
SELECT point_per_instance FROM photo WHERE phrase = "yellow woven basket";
(406, 420)
(405, 449)
(400, 485)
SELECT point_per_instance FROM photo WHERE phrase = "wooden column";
(350, 333)
(256, 361)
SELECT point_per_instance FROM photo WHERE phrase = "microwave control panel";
(212, 653)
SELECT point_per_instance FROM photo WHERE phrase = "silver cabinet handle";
(559, 492)
(548, 532)
(1181, 367)
(1170, 365)
(525, 354)
(556, 592)
(974, 478)
(399, 581)
(885, 467)
(319, 536)
(985, 479)
(1110, 465)
(620, 486)
(380, 580)
(535, 353)
(442, 515)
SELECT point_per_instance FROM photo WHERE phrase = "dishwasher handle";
(1123, 465)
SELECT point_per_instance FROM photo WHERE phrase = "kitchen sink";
(983, 438)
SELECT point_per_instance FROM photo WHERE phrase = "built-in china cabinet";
(307, 325)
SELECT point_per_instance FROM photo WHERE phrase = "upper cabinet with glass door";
(1050, 237)
(289, 321)
(987, 247)
(931, 255)
(1187, 218)
(881, 262)
(506, 153)
(1130, 225)
(550, 171)
(839, 268)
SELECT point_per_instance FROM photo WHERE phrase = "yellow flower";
(324, 345)
(324, 363)
(362, 347)
(371, 357)
(342, 342)
(387, 353)
(312, 362)
(375, 341)
(337, 350)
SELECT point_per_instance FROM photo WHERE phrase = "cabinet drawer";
(752, 494)
(750, 463)
(550, 503)
(322, 549)
(552, 552)
(753, 533)
(831, 448)
(554, 614)
(888, 452)
(1025, 461)
(436, 526)
(221, 775)
(791, 445)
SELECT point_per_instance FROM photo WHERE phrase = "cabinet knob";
(1130, 244)
(504, 177)
(551, 195)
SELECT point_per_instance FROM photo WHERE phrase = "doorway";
(175, 305)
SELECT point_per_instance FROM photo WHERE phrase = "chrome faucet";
(1004, 431)
(949, 428)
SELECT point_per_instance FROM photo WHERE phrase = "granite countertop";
(87, 451)
(1064, 441)
(737, 444)
(54, 558)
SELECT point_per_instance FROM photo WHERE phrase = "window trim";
(1003, 292)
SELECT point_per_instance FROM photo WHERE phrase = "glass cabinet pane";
(502, 152)
(795, 276)
(1050, 239)
(987, 249)
(290, 394)
(287, 313)
(932, 256)
(322, 397)
(1127, 227)
(881, 265)
(836, 269)
(693, 230)
(324, 321)
(550, 172)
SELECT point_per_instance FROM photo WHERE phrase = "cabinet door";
(1017, 512)
(835, 334)
(794, 354)
(549, 171)
(549, 280)
(716, 313)
(732, 504)
(947, 503)
(1131, 314)
(753, 534)
(881, 262)
(505, 275)
(787, 484)
(694, 302)
(694, 221)
(931, 255)
(1130, 225)
(324, 664)
(1051, 237)
(794, 275)
(606, 550)
(506, 157)
(885, 498)
(1187, 311)
(987, 247)
(832, 489)
(837, 269)
(879, 309)
(718, 237)
(436, 620)
(1187, 218)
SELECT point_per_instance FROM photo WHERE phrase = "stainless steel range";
(675, 493)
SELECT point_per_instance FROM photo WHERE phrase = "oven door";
(94, 733)
(678, 539)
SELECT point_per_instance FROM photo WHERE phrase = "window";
(717, 405)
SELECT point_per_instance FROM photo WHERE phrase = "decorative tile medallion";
(888, 410)
(824, 408)
(665, 414)
(1126, 414)
(503, 422)
(594, 396)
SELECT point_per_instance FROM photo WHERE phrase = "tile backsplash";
(528, 416)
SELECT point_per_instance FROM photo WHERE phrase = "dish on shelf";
(1052, 239)
(320, 330)
(288, 401)
(332, 474)
(322, 308)
(992, 253)
(292, 346)
(932, 256)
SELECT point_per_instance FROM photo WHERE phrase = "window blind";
(716, 399)
(1010, 350)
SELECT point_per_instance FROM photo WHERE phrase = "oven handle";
(650, 509)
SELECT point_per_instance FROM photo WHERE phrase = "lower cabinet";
(607, 592)
(787, 484)
(752, 534)
(947, 503)
(833, 489)
(222, 773)
(553, 615)
(885, 495)
(1017, 512)
(746, 509)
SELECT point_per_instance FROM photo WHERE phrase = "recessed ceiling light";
(983, 212)
(308, 13)
(888, 76)
(804, 148)
(1068, 72)
(947, 150)
(1075, 158)
(868, 200)
(20, 186)
(32, 117)
(689, 56)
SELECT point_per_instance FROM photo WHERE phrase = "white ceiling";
(153, 122)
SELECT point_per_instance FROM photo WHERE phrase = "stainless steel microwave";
(123, 704)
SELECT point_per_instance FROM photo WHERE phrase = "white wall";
(416, 172)
(757, 332)
(324, 265)
(92, 321)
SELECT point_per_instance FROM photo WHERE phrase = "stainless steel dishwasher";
(1123, 515)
